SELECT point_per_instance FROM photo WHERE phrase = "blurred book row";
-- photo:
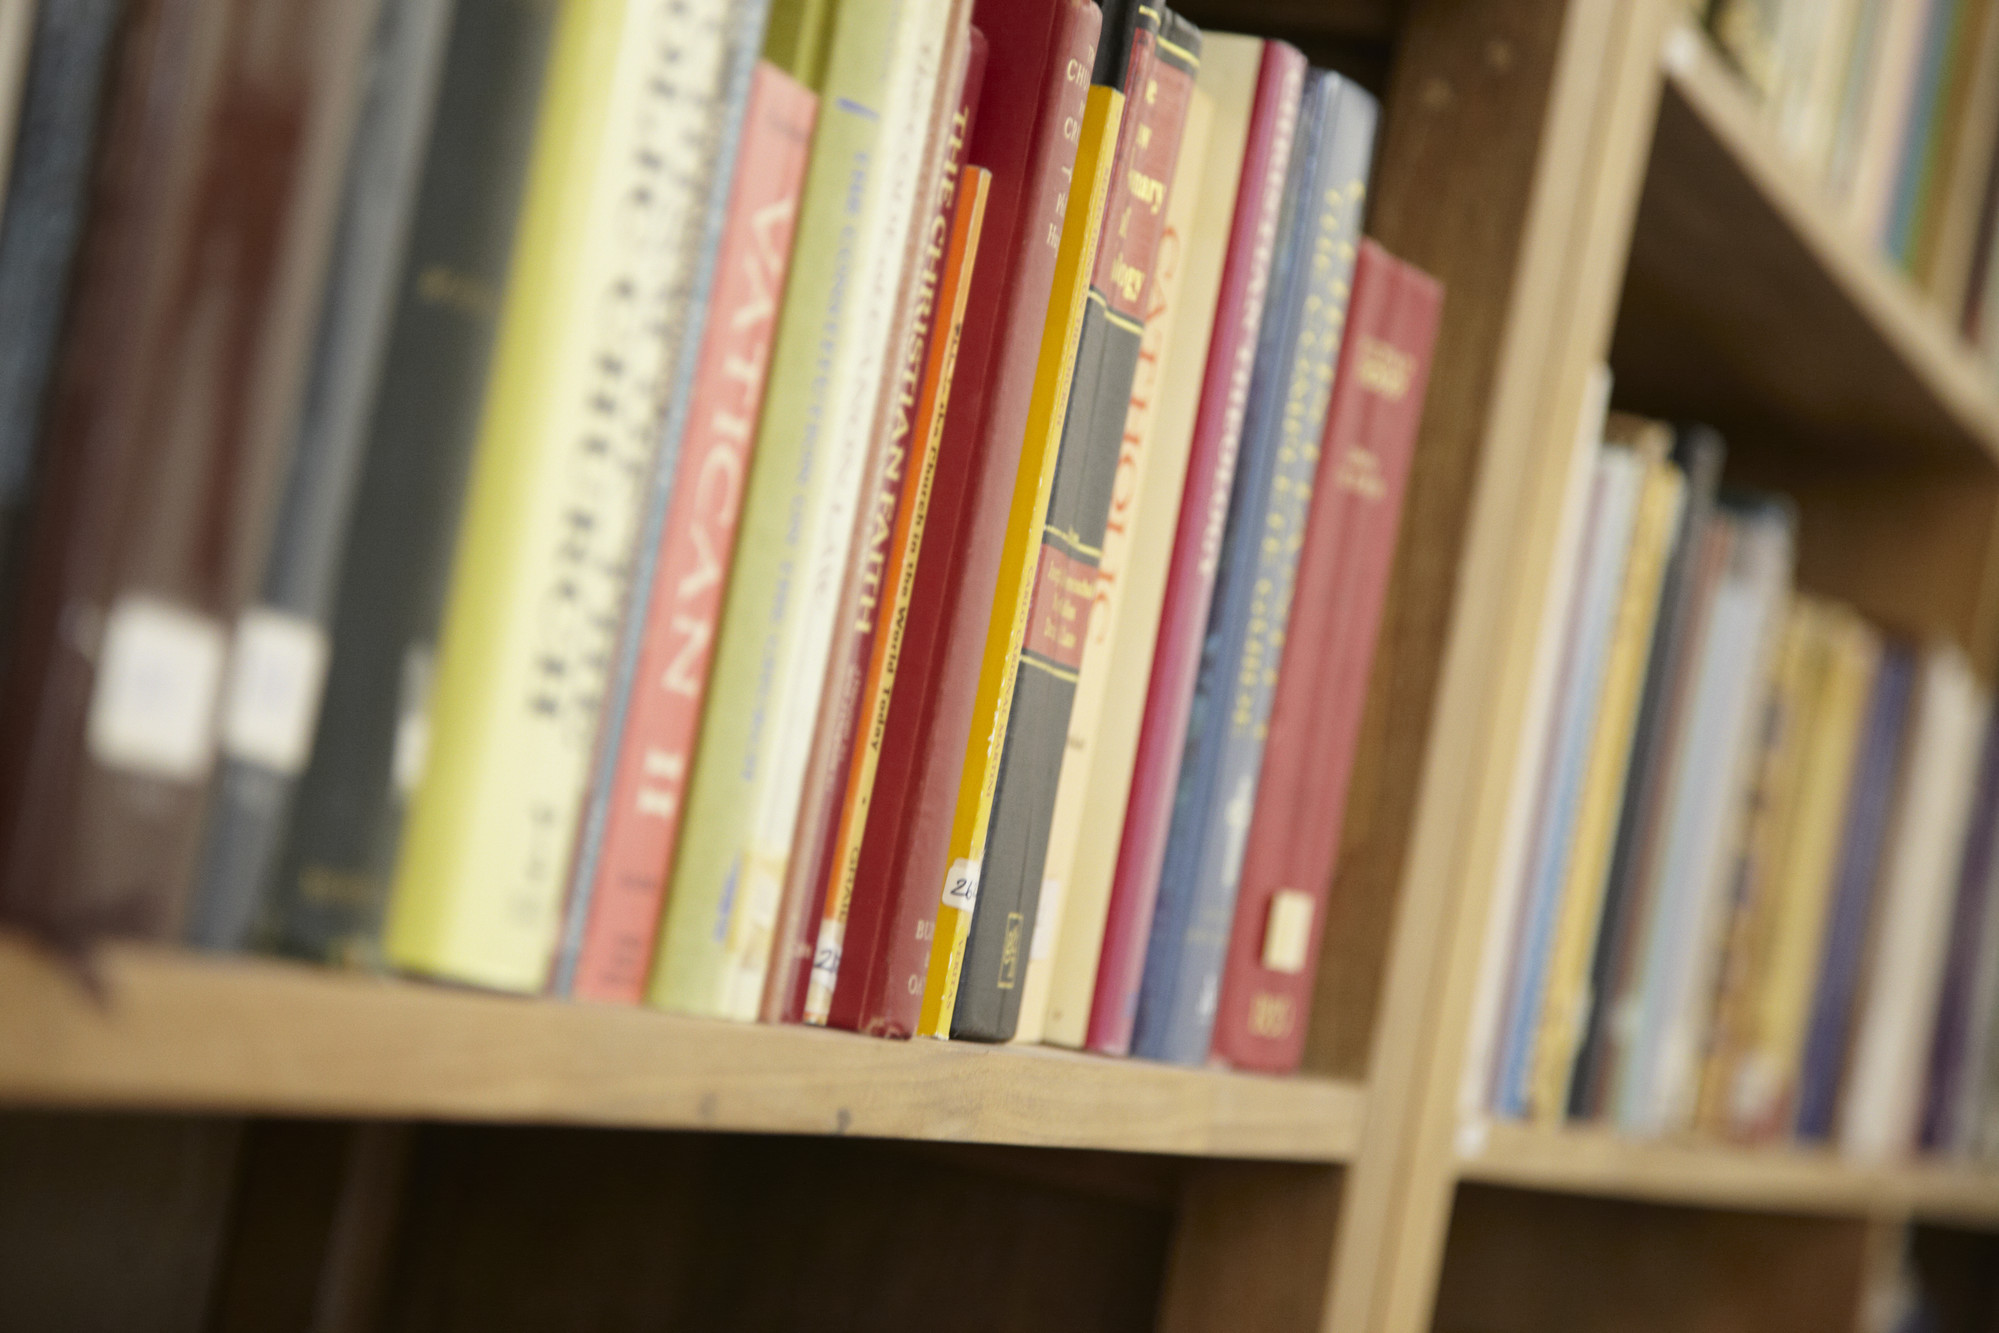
(1751, 883)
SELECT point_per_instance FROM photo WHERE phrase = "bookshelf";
(1589, 182)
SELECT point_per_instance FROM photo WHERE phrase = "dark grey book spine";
(47, 199)
(326, 896)
(278, 658)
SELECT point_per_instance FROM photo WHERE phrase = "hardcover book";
(278, 651)
(330, 888)
(1038, 60)
(859, 202)
(633, 819)
(612, 241)
(185, 344)
(1284, 432)
(1197, 543)
(1328, 652)
(1020, 538)
(903, 464)
(1161, 59)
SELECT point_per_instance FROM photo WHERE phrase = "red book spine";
(906, 462)
(1197, 545)
(1315, 718)
(1038, 63)
(697, 543)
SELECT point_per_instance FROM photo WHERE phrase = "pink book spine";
(1197, 544)
(697, 544)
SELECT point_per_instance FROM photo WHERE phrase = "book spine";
(1224, 755)
(278, 654)
(1151, 469)
(1949, 1053)
(1164, 56)
(1197, 546)
(1682, 610)
(906, 541)
(1322, 685)
(331, 884)
(1037, 78)
(1869, 807)
(901, 468)
(1551, 1053)
(47, 197)
(598, 306)
(797, 513)
(1005, 629)
(221, 155)
(634, 818)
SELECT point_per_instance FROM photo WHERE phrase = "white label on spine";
(275, 674)
(1287, 931)
(961, 885)
(152, 711)
(412, 744)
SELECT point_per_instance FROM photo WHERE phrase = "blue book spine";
(1917, 138)
(1869, 807)
(745, 45)
(1297, 350)
(47, 198)
(280, 653)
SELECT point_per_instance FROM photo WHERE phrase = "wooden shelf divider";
(167, 1031)
(1776, 1178)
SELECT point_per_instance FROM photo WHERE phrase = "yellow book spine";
(1566, 1001)
(1096, 145)
(1760, 1087)
(429, 927)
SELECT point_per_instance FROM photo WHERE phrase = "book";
(1951, 1060)
(1551, 619)
(1966, 1122)
(1881, 1103)
(633, 819)
(1750, 1084)
(1665, 1007)
(1565, 999)
(182, 355)
(904, 463)
(860, 201)
(1959, 203)
(1684, 599)
(899, 579)
(278, 646)
(329, 893)
(1925, 134)
(1162, 59)
(1124, 628)
(608, 256)
(1869, 807)
(1752, 908)
(1284, 435)
(47, 193)
(1197, 543)
(1033, 479)
(1039, 55)
(1888, 84)
(17, 33)
(1328, 655)
(1606, 549)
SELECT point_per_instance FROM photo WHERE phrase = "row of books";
(863, 512)
(1753, 850)
(1893, 105)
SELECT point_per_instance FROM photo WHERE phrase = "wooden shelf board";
(1750, 303)
(1588, 1160)
(172, 1031)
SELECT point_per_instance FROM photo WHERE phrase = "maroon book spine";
(839, 714)
(1197, 545)
(181, 363)
(1038, 60)
(1350, 536)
